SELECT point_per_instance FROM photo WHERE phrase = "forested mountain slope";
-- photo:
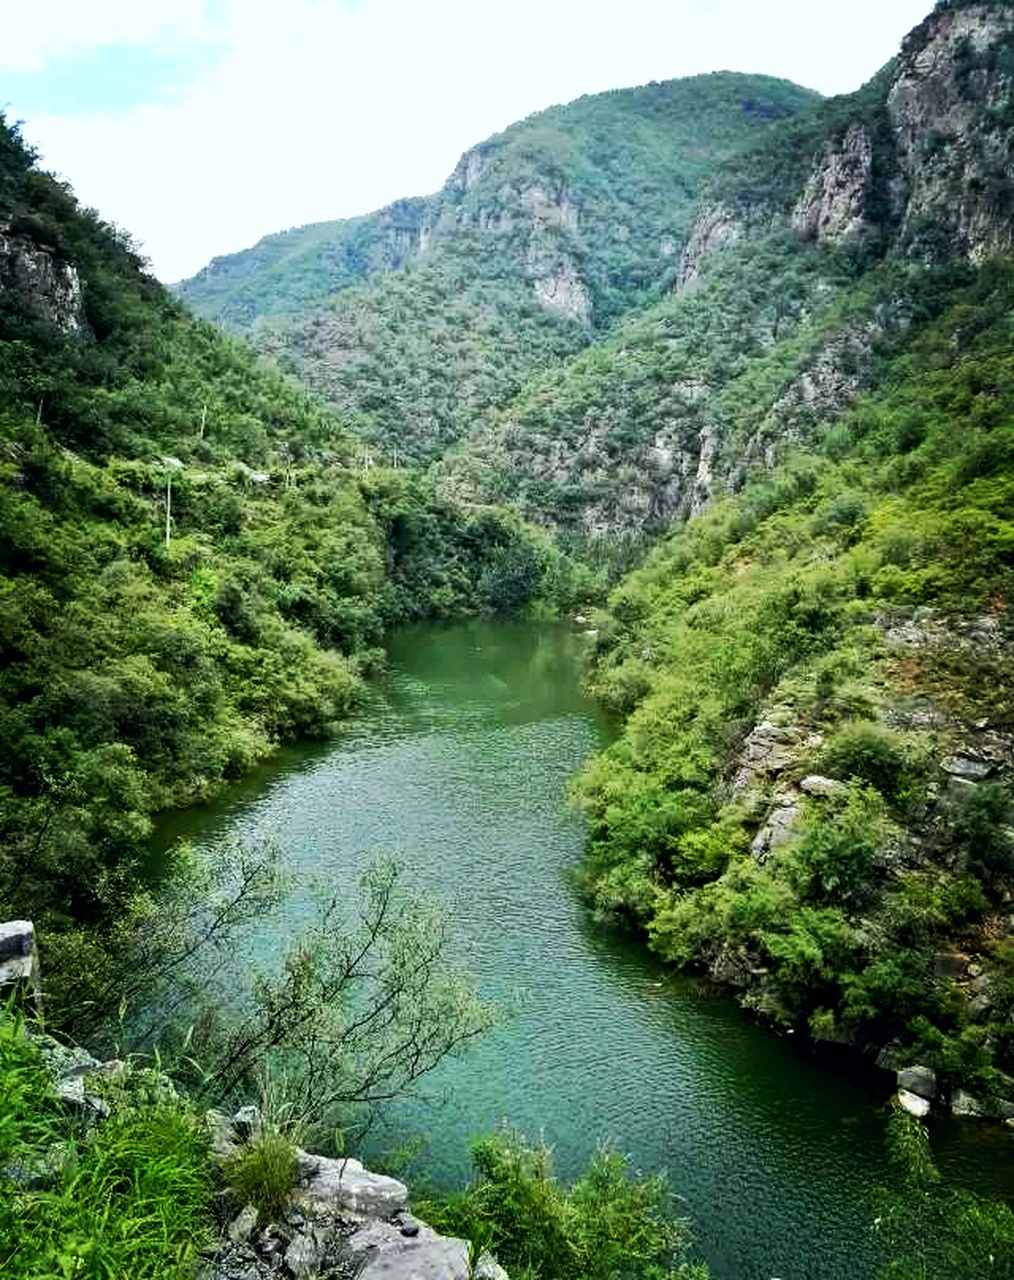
(418, 318)
(810, 259)
(811, 798)
(194, 563)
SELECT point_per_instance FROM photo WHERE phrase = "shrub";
(873, 756)
(837, 851)
(264, 1174)
(611, 1223)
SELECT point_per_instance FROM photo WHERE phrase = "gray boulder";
(345, 1184)
(382, 1252)
(963, 1104)
(913, 1104)
(921, 1081)
(817, 785)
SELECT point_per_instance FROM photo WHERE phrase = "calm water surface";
(462, 773)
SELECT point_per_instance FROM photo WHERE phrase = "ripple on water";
(463, 776)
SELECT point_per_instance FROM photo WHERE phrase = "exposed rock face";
(717, 227)
(342, 1222)
(564, 292)
(550, 208)
(49, 285)
(950, 109)
(468, 170)
(832, 205)
(953, 127)
(347, 1184)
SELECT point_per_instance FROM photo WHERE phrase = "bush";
(612, 1223)
(263, 1174)
(873, 756)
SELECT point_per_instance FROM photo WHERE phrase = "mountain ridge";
(540, 237)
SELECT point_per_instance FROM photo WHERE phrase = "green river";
(461, 771)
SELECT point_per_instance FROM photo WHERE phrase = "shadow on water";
(461, 769)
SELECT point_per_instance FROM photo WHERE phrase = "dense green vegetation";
(811, 797)
(780, 605)
(292, 272)
(196, 562)
(589, 446)
(611, 1223)
(601, 190)
(935, 1232)
(129, 1198)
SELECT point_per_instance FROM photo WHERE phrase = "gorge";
(720, 367)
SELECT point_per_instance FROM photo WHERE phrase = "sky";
(201, 125)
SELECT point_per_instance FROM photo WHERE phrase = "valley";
(716, 366)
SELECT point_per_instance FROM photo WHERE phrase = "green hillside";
(542, 236)
(811, 798)
(811, 795)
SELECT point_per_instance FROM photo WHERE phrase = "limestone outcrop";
(949, 107)
(342, 1221)
(47, 283)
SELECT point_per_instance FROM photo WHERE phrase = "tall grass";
(126, 1200)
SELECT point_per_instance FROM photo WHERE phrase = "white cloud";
(40, 31)
(323, 109)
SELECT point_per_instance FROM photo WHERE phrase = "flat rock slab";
(969, 767)
(345, 1184)
(383, 1253)
(817, 785)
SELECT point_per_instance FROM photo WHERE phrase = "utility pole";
(168, 506)
(204, 418)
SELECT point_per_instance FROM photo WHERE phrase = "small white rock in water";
(913, 1104)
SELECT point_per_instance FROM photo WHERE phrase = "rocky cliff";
(42, 279)
(801, 263)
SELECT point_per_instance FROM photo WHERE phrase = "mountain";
(762, 337)
(811, 796)
(541, 238)
(805, 261)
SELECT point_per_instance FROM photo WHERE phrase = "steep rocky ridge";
(803, 261)
(541, 236)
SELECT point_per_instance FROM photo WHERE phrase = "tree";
(358, 1011)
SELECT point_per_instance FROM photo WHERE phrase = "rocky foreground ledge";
(342, 1222)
